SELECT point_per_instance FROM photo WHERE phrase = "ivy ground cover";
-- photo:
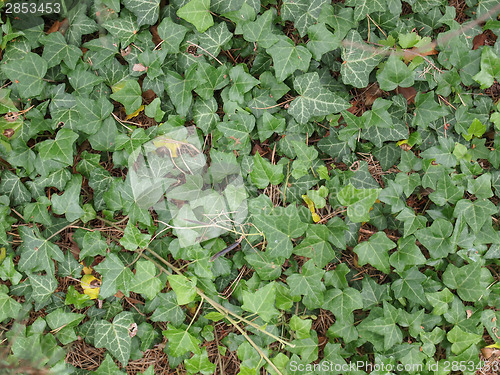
(249, 187)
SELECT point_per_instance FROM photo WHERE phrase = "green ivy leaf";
(358, 202)
(145, 280)
(316, 246)
(490, 68)
(475, 213)
(287, 58)
(9, 308)
(60, 148)
(314, 100)
(461, 340)
(115, 276)
(395, 73)
(129, 94)
(27, 74)
(466, 280)
(308, 283)
(146, 11)
(115, 336)
(184, 289)
(172, 34)
(343, 302)
(56, 50)
(133, 238)
(359, 61)
(197, 12)
(261, 302)
(364, 7)
(265, 173)
(181, 341)
(374, 251)
(436, 238)
(68, 203)
(303, 13)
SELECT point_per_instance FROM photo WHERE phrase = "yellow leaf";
(136, 113)
(86, 270)
(495, 345)
(2, 254)
(402, 142)
(91, 286)
(310, 204)
(172, 145)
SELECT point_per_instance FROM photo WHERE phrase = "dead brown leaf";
(408, 92)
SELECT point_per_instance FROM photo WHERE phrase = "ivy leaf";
(43, 287)
(364, 7)
(197, 12)
(184, 289)
(37, 252)
(446, 192)
(314, 100)
(259, 31)
(461, 340)
(303, 13)
(38, 212)
(146, 11)
(358, 202)
(409, 286)
(68, 203)
(133, 238)
(343, 302)
(261, 302)
(172, 34)
(12, 186)
(129, 94)
(321, 40)
(436, 238)
(374, 251)
(395, 73)
(440, 301)
(265, 173)
(475, 213)
(179, 89)
(287, 58)
(466, 280)
(200, 363)
(242, 82)
(27, 74)
(181, 341)
(56, 50)
(407, 255)
(490, 68)
(165, 308)
(316, 246)
(145, 280)
(9, 308)
(60, 149)
(358, 60)
(427, 110)
(308, 283)
(115, 276)
(386, 326)
(124, 28)
(214, 38)
(115, 337)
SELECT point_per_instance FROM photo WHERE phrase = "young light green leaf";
(358, 202)
(129, 94)
(184, 289)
